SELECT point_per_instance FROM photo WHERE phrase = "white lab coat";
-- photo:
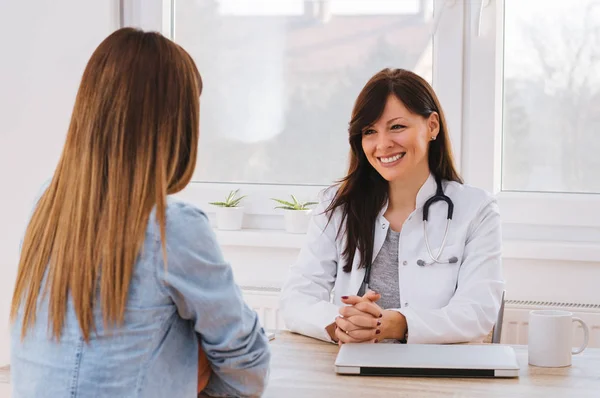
(442, 303)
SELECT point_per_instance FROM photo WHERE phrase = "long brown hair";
(363, 192)
(132, 141)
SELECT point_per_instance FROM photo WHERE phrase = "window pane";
(281, 78)
(551, 135)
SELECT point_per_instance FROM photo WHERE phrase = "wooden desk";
(303, 367)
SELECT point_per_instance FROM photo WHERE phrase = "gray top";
(384, 272)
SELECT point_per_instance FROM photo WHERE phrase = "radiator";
(265, 301)
(516, 320)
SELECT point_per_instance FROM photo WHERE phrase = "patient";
(117, 283)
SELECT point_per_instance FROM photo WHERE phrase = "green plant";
(230, 201)
(293, 205)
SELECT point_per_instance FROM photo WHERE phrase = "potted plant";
(297, 214)
(229, 212)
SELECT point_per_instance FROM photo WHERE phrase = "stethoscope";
(435, 259)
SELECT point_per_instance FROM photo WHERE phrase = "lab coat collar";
(426, 191)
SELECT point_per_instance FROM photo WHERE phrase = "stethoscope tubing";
(435, 259)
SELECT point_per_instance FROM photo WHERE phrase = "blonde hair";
(132, 141)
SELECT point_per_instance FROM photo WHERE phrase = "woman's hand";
(360, 320)
(365, 321)
(204, 369)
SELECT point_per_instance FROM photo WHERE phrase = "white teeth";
(392, 158)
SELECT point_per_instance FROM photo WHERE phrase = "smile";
(391, 159)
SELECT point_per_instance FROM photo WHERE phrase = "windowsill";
(263, 238)
(515, 249)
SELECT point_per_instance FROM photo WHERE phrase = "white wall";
(44, 46)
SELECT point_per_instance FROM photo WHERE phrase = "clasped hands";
(363, 321)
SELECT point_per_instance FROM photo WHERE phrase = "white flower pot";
(296, 221)
(230, 218)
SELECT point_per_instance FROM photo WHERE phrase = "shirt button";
(406, 304)
(382, 226)
(404, 262)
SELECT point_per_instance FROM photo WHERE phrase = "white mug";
(551, 338)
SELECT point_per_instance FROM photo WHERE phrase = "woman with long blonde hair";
(117, 283)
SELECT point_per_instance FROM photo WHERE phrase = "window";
(527, 134)
(281, 78)
(551, 118)
(517, 79)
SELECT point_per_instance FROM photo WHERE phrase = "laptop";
(427, 360)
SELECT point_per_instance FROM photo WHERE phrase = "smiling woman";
(370, 233)
(398, 137)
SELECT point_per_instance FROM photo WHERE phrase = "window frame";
(482, 134)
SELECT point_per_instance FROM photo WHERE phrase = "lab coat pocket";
(439, 279)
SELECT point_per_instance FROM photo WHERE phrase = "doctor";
(395, 276)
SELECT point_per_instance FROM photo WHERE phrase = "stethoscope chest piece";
(451, 260)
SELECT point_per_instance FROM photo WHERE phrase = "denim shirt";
(155, 351)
